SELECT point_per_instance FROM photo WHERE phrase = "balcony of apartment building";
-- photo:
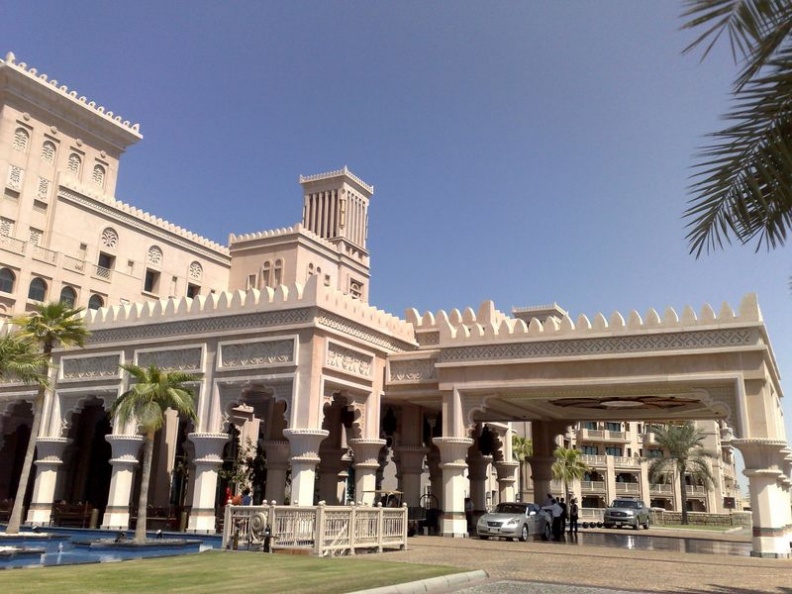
(593, 483)
(12, 245)
(592, 431)
(628, 484)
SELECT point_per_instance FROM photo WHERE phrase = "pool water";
(45, 547)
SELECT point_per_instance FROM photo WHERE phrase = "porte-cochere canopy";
(306, 372)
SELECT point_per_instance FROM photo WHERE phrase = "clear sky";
(526, 152)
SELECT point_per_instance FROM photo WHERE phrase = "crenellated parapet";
(140, 216)
(489, 324)
(337, 173)
(132, 130)
(311, 294)
(233, 238)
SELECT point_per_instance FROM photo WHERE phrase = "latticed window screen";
(21, 138)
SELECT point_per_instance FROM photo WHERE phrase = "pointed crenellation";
(312, 293)
(71, 95)
(489, 323)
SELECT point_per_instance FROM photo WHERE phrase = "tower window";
(278, 276)
(68, 296)
(95, 302)
(48, 152)
(98, 176)
(74, 163)
(266, 272)
(151, 282)
(21, 138)
(193, 290)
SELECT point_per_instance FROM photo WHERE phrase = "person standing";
(573, 516)
(555, 511)
(563, 505)
(469, 514)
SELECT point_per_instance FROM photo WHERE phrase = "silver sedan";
(515, 520)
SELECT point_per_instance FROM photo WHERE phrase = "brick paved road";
(536, 566)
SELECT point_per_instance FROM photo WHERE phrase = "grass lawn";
(220, 571)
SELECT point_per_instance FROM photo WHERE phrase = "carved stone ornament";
(415, 370)
(250, 354)
(90, 367)
(172, 360)
(349, 361)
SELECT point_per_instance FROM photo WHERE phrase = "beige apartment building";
(292, 359)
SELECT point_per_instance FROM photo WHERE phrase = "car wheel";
(636, 526)
(524, 534)
(483, 537)
(546, 533)
(608, 525)
(646, 524)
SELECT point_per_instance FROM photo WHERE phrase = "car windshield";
(630, 504)
(509, 508)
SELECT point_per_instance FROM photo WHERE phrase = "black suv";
(626, 512)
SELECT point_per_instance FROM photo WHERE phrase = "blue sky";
(525, 152)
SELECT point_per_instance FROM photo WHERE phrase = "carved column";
(452, 455)
(410, 470)
(305, 456)
(334, 463)
(124, 461)
(277, 459)
(208, 459)
(507, 478)
(366, 454)
(478, 466)
(435, 476)
(543, 435)
(48, 463)
(763, 467)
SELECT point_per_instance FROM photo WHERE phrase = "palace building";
(297, 370)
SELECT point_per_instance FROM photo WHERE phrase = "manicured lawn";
(219, 572)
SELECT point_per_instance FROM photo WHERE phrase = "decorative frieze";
(348, 360)
(187, 360)
(256, 354)
(415, 370)
(705, 339)
(80, 368)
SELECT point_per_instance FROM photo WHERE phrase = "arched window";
(74, 164)
(278, 276)
(109, 238)
(195, 272)
(98, 176)
(266, 273)
(155, 256)
(21, 138)
(37, 290)
(7, 279)
(68, 296)
(48, 152)
(95, 302)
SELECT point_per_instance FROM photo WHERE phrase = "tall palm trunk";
(145, 478)
(683, 494)
(15, 521)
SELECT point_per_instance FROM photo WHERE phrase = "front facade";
(294, 362)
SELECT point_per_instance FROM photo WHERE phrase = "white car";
(515, 520)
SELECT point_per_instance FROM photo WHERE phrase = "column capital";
(506, 469)
(366, 452)
(277, 453)
(760, 452)
(477, 467)
(304, 443)
(411, 458)
(50, 450)
(453, 450)
(208, 447)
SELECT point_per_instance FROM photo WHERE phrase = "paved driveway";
(575, 564)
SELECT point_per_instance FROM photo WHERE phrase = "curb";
(443, 583)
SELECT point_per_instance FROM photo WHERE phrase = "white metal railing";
(658, 488)
(696, 491)
(591, 513)
(616, 435)
(626, 461)
(628, 488)
(323, 530)
(592, 486)
(103, 273)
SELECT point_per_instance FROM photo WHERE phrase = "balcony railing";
(73, 264)
(103, 273)
(594, 459)
(696, 491)
(626, 461)
(649, 439)
(628, 488)
(12, 245)
(592, 486)
(584, 434)
(661, 489)
(43, 254)
(320, 530)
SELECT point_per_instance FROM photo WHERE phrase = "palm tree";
(743, 183)
(47, 326)
(19, 358)
(568, 466)
(153, 392)
(522, 450)
(684, 455)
